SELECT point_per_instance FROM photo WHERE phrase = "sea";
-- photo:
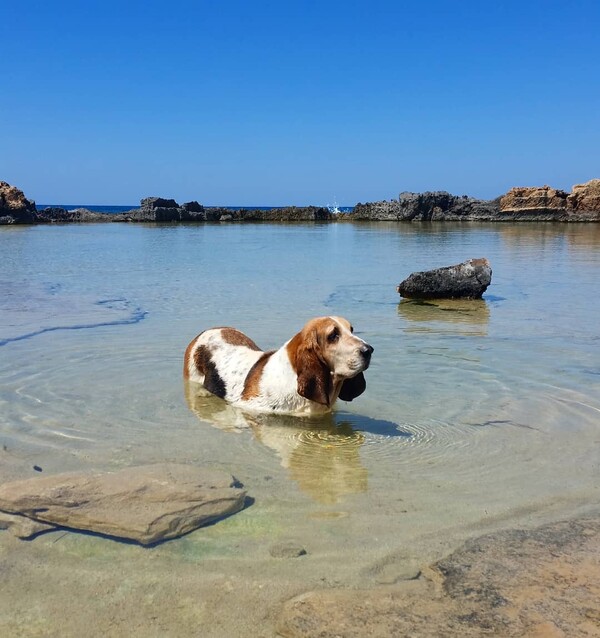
(478, 415)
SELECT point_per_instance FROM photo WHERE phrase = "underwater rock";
(469, 279)
(540, 582)
(146, 504)
(287, 549)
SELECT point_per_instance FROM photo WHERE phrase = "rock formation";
(146, 504)
(532, 583)
(429, 206)
(15, 208)
(469, 280)
(541, 200)
(549, 204)
(519, 204)
(585, 198)
(55, 215)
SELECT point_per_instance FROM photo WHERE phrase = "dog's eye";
(333, 336)
(351, 328)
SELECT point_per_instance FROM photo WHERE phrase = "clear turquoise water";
(477, 415)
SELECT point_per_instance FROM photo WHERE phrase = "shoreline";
(529, 204)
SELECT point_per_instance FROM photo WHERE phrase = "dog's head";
(326, 355)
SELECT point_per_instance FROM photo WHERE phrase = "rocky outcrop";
(156, 209)
(550, 204)
(55, 215)
(519, 204)
(15, 208)
(541, 200)
(429, 206)
(585, 198)
(146, 504)
(535, 583)
(285, 214)
(468, 280)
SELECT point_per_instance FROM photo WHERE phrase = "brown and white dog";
(320, 364)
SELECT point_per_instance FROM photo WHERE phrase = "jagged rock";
(54, 214)
(585, 197)
(469, 279)
(146, 504)
(15, 208)
(429, 206)
(150, 203)
(534, 583)
(193, 207)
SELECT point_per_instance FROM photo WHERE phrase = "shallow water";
(477, 415)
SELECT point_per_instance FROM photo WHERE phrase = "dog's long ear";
(314, 378)
(352, 388)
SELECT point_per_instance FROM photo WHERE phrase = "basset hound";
(321, 363)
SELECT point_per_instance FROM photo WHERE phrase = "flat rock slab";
(531, 583)
(146, 504)
(23, 527)
(468, 279)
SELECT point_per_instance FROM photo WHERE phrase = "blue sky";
(284, 102)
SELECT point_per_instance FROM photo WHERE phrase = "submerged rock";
(146, 504)
(287, 549)
(469, 279)
(541, 582)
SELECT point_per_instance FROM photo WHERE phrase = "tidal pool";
(478, 415)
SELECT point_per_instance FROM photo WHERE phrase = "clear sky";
(256, 102)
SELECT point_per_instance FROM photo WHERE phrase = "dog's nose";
(366, 350)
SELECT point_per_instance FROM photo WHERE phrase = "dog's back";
(220, 359)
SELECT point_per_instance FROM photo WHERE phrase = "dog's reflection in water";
(321, 453)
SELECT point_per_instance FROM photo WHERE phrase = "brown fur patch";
(314, 378)
(188, 356)
(252, 382)
(237, 338)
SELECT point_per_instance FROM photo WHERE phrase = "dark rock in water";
(146, 504)
(469, 279)
(150, 203)
(54, 214)
(429, 206)
(15, 208)
(193, 207)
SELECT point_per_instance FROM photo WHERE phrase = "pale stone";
(145, 504)
(21, 526)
